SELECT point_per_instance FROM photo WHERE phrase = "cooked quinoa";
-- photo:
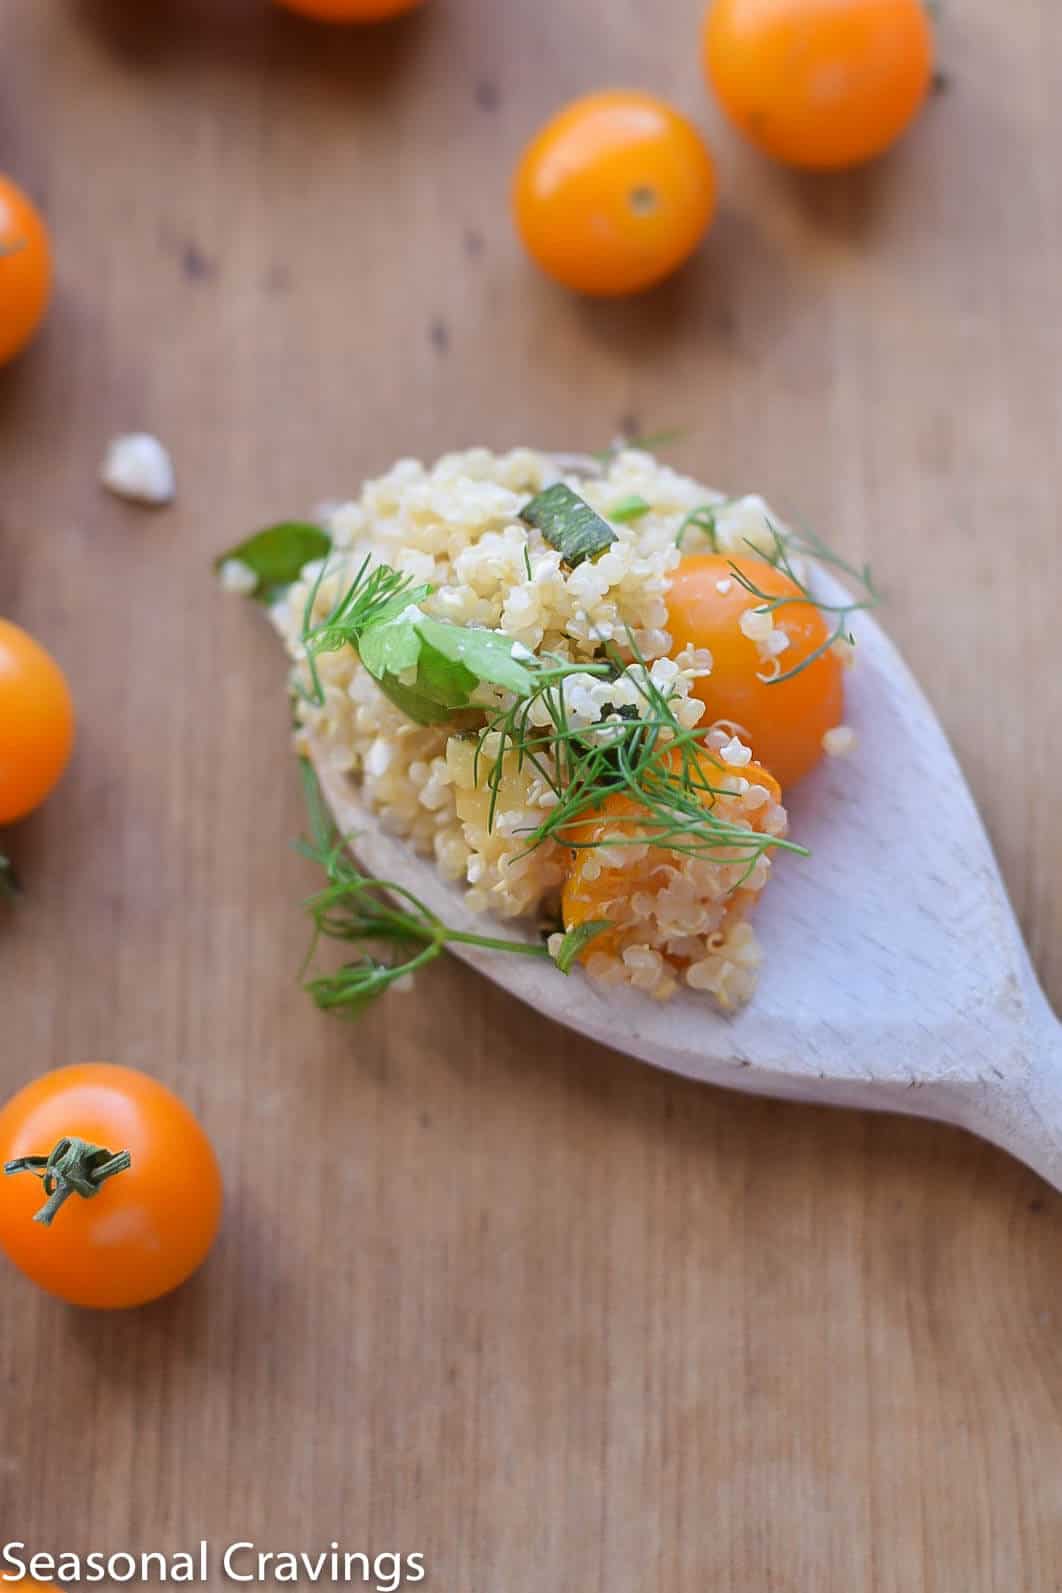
(677, 918)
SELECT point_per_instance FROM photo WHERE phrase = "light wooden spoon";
(894, 976)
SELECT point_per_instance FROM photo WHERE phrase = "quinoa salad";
(511, 657)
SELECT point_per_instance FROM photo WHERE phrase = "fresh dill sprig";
(372, 914)
(649, 758)
(366, 601)
(704, 520)
(781, 559)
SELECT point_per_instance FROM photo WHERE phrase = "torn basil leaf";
(430, 668)
(276, 556)
(568, 524)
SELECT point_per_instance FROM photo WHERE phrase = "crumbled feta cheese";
(756, 624)
(775, 642)
(235, 576)
(137, 466)
(724, 585)
(521, 653)
(839, 742)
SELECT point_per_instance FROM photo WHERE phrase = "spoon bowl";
(894, 976)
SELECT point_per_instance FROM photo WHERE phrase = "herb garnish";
(366, 913)
(276, 556)
(576, 940)
(807, 543)
(568, 524)
(428, 667)
(704, 520)
(652, 759)
(628, 509)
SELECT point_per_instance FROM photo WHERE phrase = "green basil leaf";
(390, 646)
(277, 555)
(576, 939)
(485, 655)
(568, 524)
(419, 705)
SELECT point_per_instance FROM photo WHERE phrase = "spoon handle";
(1024, 1113)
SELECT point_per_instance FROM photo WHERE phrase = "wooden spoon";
(894, 976)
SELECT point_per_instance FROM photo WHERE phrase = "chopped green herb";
(374, 597)
(574, 942)
(785, 545)
(428, 667)
(276, 556)
(10, 888)
(627, 509)
(650, 757)
(704, 520)
(568, 524)
(371, 913)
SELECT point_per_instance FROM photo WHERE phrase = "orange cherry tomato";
(589, 894)
(36, 723)
(148, 1227)
(614, 193)
(349, 10)
(25, 270)
(819, 83)
(784, 723)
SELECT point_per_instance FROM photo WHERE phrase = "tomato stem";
(74, 1167)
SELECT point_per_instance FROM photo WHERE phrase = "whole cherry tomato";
(614, 193)
(349, 10)
(819, 83)
(783, 720)
(36, 723)
(25, 270)
(126, 1200)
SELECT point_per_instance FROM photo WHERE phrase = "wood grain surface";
(484, 1292)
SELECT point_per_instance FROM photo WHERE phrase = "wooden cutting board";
(485, 1293)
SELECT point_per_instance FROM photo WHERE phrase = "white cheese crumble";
(137, 466)
(235, 576)
(839, 742)
(756, 624)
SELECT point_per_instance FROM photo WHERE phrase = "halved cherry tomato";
(614, 193)
(589, 893)
(36, 723)
(784, 723)
(349, 10)
(148, 1226)
(820, 83)
(25, 269)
